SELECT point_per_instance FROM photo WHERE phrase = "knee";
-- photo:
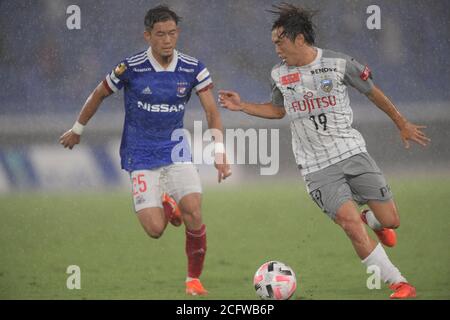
(193, 215)
(386, 213)
(154, 233)
(394, 222)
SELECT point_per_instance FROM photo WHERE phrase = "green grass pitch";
(41, 235)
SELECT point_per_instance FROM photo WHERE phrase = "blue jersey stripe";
(138, 62)
(188, 62)
(137, 57)
(187, 57)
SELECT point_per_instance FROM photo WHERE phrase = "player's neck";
(164, 61)
(306, 56)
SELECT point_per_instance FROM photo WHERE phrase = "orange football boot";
(402, 290)
(388, 237)
(195, 288)
(172, 210)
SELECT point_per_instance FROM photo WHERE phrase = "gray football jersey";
(316, 99)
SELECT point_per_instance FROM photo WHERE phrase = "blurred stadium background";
(47, 72)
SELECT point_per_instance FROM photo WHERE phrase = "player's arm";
(232, 101)
(72, 137)
(408, 130)
(215, 124)
(359, 76)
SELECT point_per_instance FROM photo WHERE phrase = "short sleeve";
(116, 79)
(277, 96)
(203, 80)
(358, 76)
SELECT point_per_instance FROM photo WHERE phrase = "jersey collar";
(157, 66)
(316, 59)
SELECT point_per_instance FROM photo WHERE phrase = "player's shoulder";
(331, 54)
(277, 69)
(137, 58)
(187, 59)
(349, 59)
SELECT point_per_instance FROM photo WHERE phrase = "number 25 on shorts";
(139, 184)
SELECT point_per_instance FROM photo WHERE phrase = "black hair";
(160, 13)
(294, 21)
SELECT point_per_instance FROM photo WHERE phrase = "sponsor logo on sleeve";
(366, 74)
(290, 78)
(120, 69)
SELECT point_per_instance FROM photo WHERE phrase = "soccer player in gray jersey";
(310, 85)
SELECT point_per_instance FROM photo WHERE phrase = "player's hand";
(69, 139)
(222, 166)
(410, 131)
(230, 100)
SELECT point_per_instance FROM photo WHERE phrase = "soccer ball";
(275, 280)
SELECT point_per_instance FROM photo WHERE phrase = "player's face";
(163, 38)
(284, 47)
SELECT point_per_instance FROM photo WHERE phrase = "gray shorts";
(357, 178)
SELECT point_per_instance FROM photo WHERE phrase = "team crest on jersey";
(326, 85)
(182, 89)
(290, 78)
(120, 69)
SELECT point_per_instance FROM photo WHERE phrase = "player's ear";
(300, 40)
(147, 35)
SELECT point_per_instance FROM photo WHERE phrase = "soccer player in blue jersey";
(157, 84)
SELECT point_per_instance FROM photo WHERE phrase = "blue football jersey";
(155, 101)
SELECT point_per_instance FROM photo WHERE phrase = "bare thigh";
(385, 212)
(153, 221)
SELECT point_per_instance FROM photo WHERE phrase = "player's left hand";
(410, 131)
(222, 166)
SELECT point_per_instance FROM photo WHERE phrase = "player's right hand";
(69, 139)
(230, 100)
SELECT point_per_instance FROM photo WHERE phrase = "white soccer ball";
(275, 280)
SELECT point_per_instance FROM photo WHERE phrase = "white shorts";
(177, 180)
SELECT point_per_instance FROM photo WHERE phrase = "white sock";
(389, 273)
(372, 221)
